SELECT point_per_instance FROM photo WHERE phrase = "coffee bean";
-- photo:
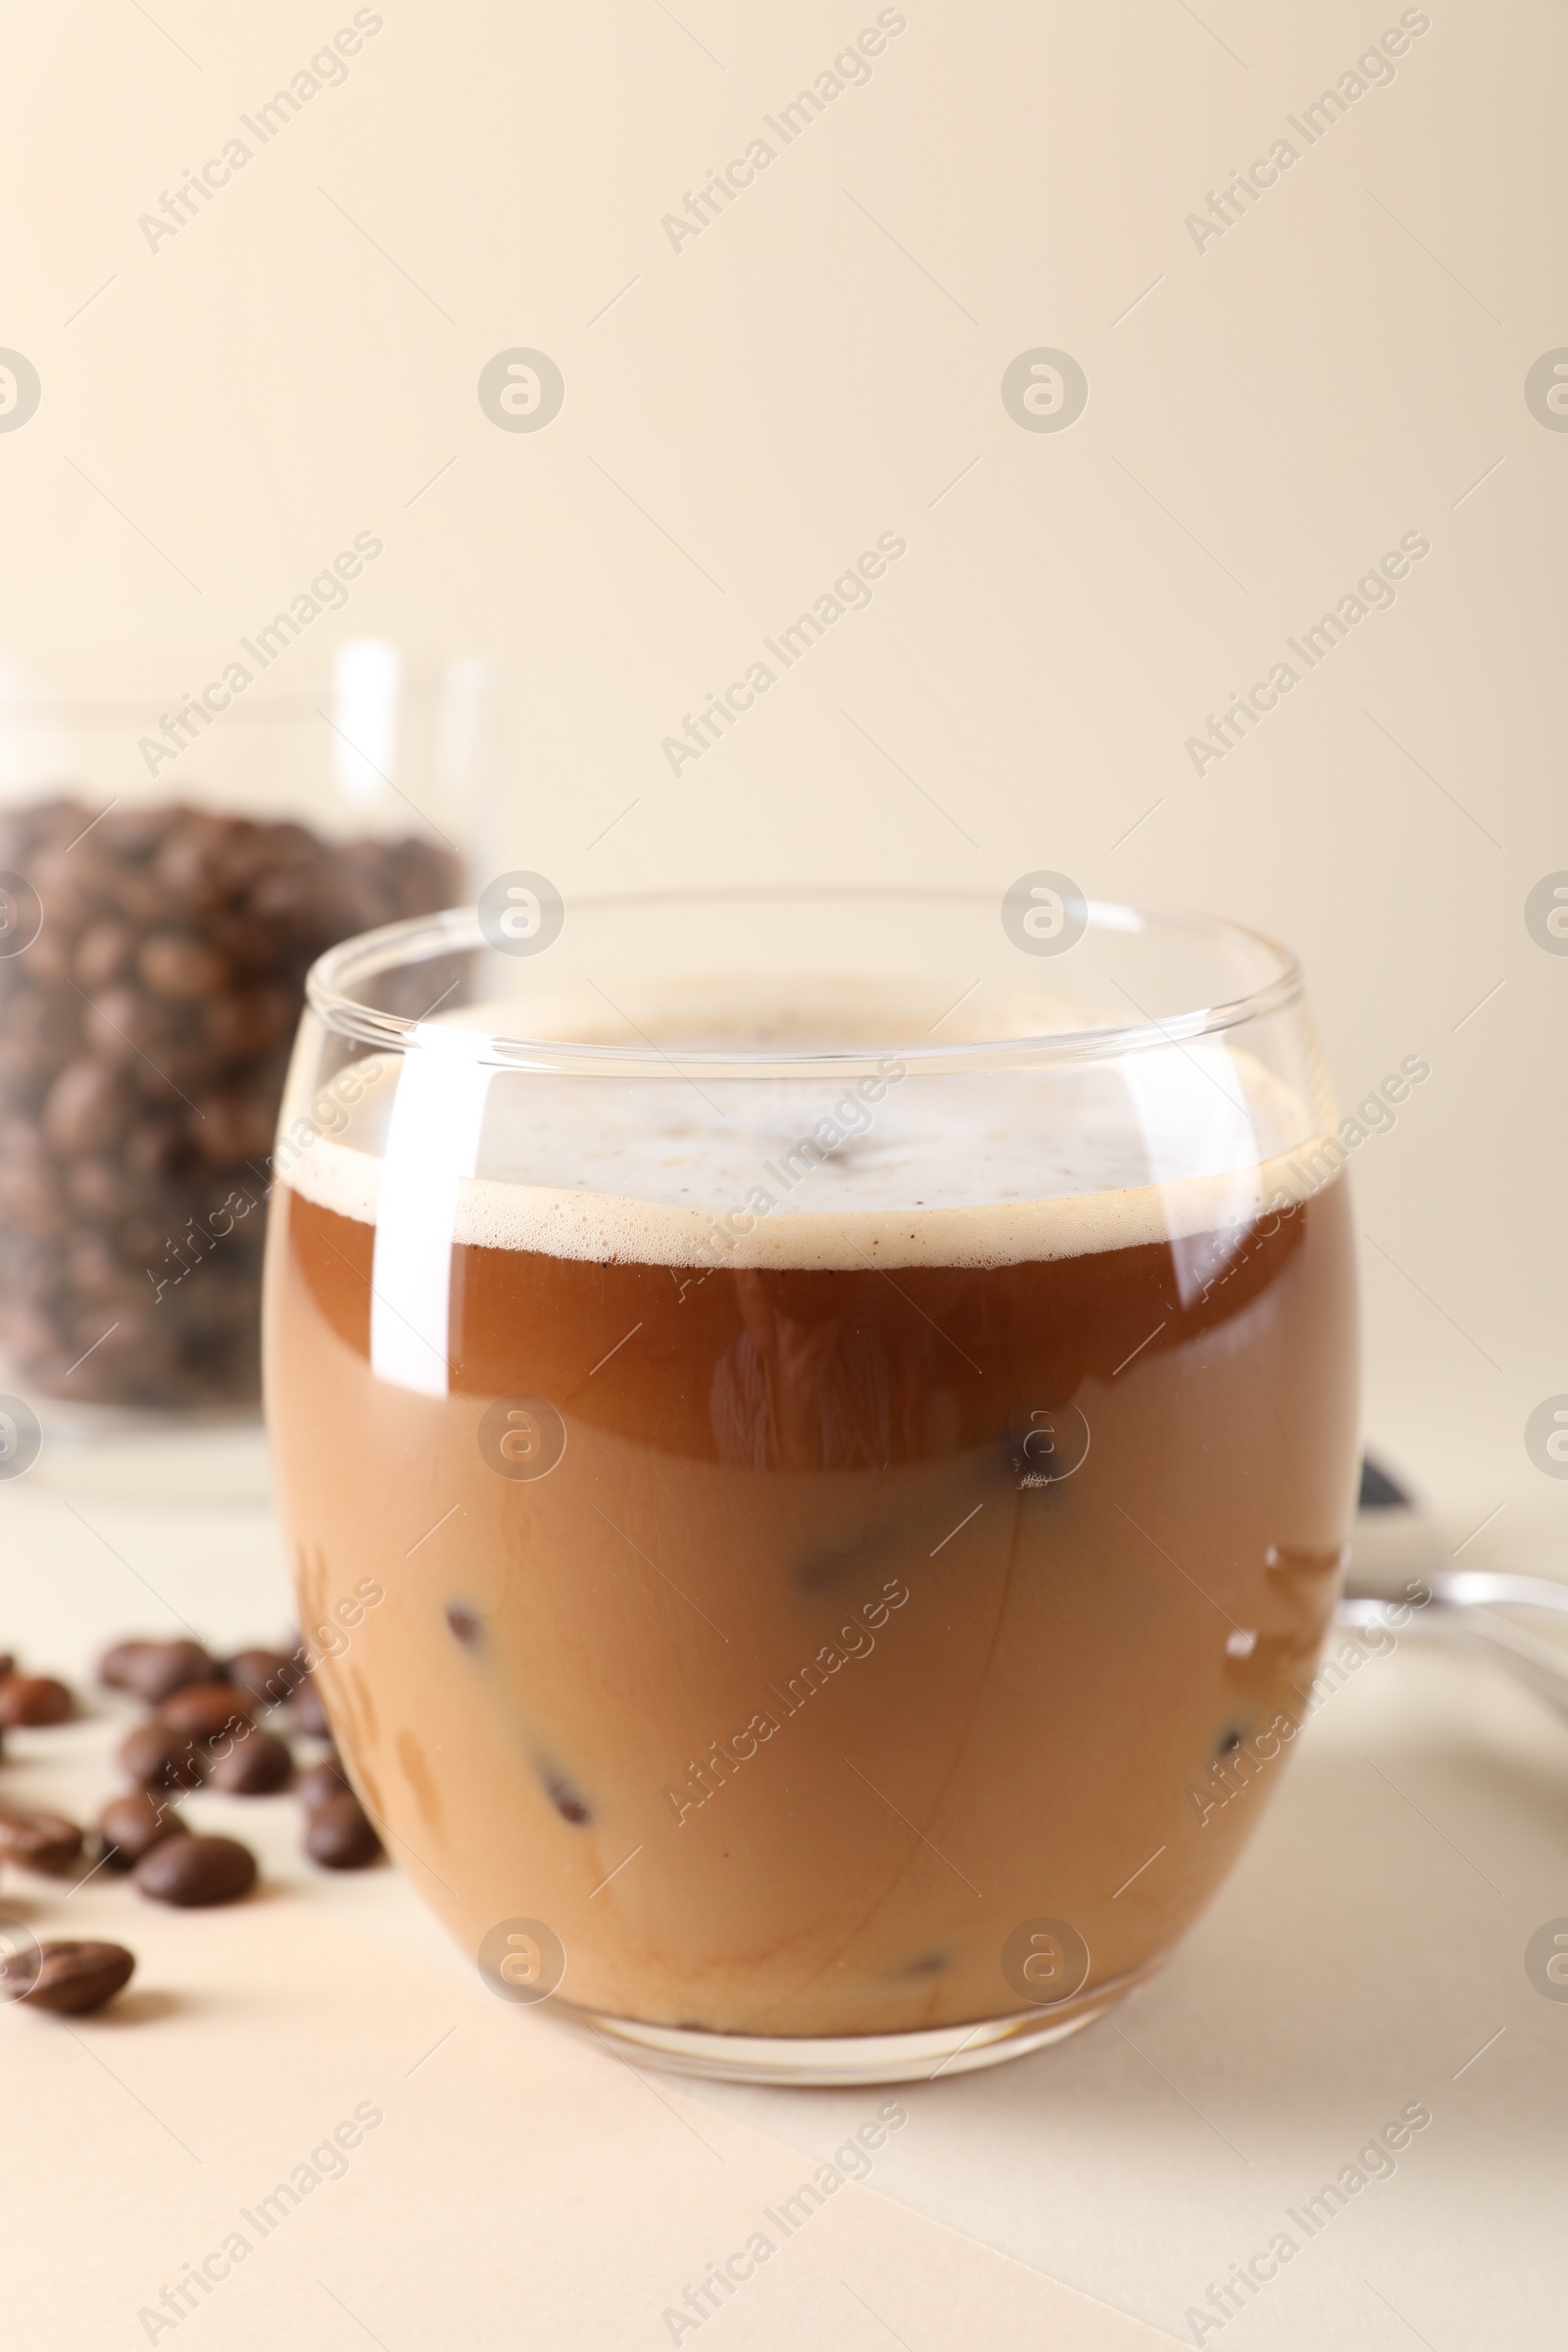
(229, 1129)
(97, 1191)
(89, 1109)
(37, 1016)
(156, 1149)
(96, 1274)
(33, 1207)
(131, 1825)
(258, 1765)
(177, 964)
(155, 1757)
(155, 1670)
(323, 1782)
(310, 1715)
(207, 1710)
(340, 1834)
(118, 1025)
(134, 832)
(43, 1841)
(191, 1872)
(103, 954)
(250, 1023)
(186, 863)
(268, 1674)
(70, 1979)
(34, 1698)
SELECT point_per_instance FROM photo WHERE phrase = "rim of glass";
(333, 981)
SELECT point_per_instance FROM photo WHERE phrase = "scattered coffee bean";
(34, 1698)
(341, 1836)
(131, 1825)
(191, 1872)
(207, 1710)
(258, 1765)
(155, 1670)
(269, 1675)
(156, 1756)
(310, 1715)
(42, 1841)
(69, 1979)
(323, 1782)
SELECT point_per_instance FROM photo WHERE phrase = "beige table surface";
(1369, 1953)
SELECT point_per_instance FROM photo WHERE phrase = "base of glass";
(848, 2059)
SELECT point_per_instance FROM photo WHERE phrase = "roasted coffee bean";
(97, 1191)
(229, 1129)
(207, 1710)
(158, 1149)
(310, 1715)
(103, 954)
(250, 1023)
(131, 1825)
(323, 1782)
(137, 896)
(186, 863)
(340, 1834)
(258, 1765)
(37, 1016)
(155, 1670)
(70, 1979)
(44, 1842)
(134, 832)
(268, 1674)
(89, 1109)
(33, 1207)
(191, 1872)
(49, 959)
(97, 1275)
(34, 1698)
(177, 964)
(155, 1757)
(118, 1025)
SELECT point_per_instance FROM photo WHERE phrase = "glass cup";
(168, 872)
(816, 1432)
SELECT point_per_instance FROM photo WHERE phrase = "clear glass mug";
(827, 1423)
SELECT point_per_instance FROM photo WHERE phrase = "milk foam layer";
(901, 1169)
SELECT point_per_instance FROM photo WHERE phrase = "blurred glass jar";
(166, 878)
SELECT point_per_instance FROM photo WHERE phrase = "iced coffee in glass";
(850, 1399)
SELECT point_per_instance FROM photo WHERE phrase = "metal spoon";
(1458, 1609)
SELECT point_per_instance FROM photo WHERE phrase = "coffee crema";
(912, 1495)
